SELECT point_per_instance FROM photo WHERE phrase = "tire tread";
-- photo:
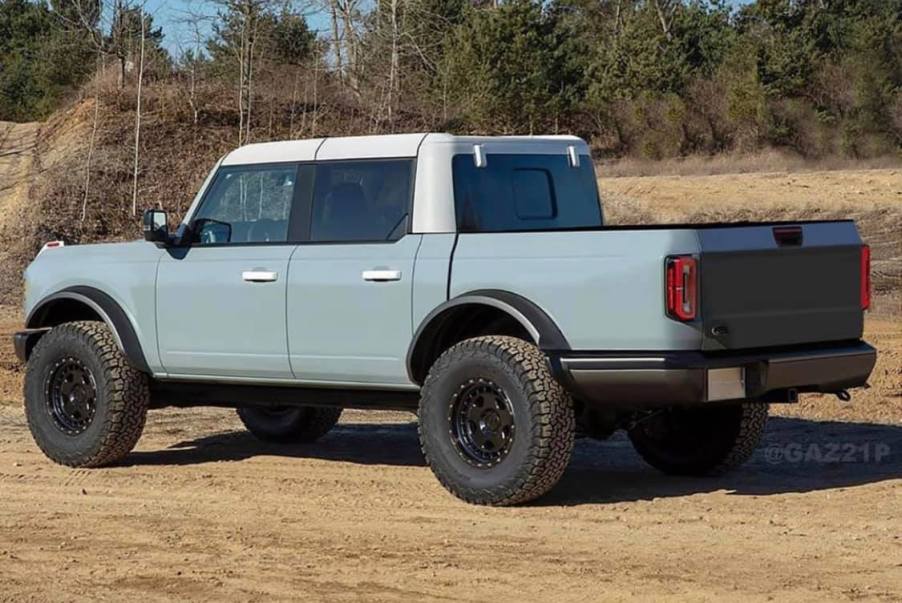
(551, 410)
(126, 389)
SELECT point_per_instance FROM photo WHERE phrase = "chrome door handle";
(259, 276)
(381, 276)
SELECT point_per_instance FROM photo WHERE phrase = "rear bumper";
(664, 378)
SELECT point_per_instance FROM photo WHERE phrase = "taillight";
(865, 287)
(682, 287)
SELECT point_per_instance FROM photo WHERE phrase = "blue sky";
(171, 15)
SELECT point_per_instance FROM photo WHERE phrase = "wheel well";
(457, 324)
(58, 311)
(88, 303)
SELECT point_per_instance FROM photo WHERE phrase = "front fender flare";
(104, 306)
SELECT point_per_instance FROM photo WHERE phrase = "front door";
(350, 284)
(221, 300)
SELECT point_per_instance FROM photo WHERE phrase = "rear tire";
(287, 424)
(700, 441)
(495, 426)
(85, 404)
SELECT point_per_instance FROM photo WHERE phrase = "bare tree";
(138, 117)
(665, 9)
(94, 121)
(394, 67)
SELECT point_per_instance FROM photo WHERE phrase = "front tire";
(85, 404)
(495, 426)
(287, 424)
(700, 441)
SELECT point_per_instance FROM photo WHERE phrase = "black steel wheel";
(495, 427)
(71, 395)
(481, 419)
(85, 404)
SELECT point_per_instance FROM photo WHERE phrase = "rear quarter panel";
(604, 289)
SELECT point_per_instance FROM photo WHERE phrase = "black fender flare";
(543, 330)
(104, 306)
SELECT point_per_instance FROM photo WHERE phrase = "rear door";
(350, 285)
(780, 284)
(221, 300)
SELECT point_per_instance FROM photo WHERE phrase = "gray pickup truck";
(470, 279)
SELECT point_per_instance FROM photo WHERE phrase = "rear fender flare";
(541, 328)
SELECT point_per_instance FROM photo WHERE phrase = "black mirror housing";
(156, 226)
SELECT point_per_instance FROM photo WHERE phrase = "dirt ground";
(202, 511)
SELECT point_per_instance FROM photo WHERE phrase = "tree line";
(649, 78)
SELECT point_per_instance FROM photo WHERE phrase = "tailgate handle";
(788, 236)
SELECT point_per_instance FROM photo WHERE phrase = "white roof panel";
(370, 147)
(392, 145)
(274, 152)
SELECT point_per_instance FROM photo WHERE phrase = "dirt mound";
(18, 144)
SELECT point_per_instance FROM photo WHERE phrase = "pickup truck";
(472, 280)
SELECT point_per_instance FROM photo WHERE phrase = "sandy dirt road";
(203, 511)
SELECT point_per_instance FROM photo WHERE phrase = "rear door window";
(361, 200)
(524, 192)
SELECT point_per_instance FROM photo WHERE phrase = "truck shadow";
(796, 456)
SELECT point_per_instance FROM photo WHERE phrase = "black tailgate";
(780, 284)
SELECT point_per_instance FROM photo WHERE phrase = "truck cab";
(470, 279)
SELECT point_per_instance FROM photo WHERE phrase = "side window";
(247, 204)
(361, 200)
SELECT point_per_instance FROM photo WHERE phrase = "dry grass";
(771, 160)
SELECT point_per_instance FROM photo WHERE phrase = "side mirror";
(156, 226)
(208, 231)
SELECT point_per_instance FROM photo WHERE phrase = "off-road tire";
(289, 424)
(121, 400)
(543, 420)
(701, 441)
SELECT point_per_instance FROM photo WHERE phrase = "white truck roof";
(392, 145)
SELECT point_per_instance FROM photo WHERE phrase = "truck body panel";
(603, 288)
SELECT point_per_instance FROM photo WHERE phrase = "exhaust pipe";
(843, 395)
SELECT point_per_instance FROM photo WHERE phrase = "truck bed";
(760, 284)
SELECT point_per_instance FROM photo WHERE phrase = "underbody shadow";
(795, 456)
(361, 443)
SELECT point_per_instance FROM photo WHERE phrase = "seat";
(345, 215)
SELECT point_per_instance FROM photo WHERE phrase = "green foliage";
(39, 61)
(499, 64)
(251, 29)
(654, 78)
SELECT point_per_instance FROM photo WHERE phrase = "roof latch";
(573, 155)
(479, 155)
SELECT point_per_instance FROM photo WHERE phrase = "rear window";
(524, 192)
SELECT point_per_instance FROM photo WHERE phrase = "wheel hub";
(71, 396)
(481, 422)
